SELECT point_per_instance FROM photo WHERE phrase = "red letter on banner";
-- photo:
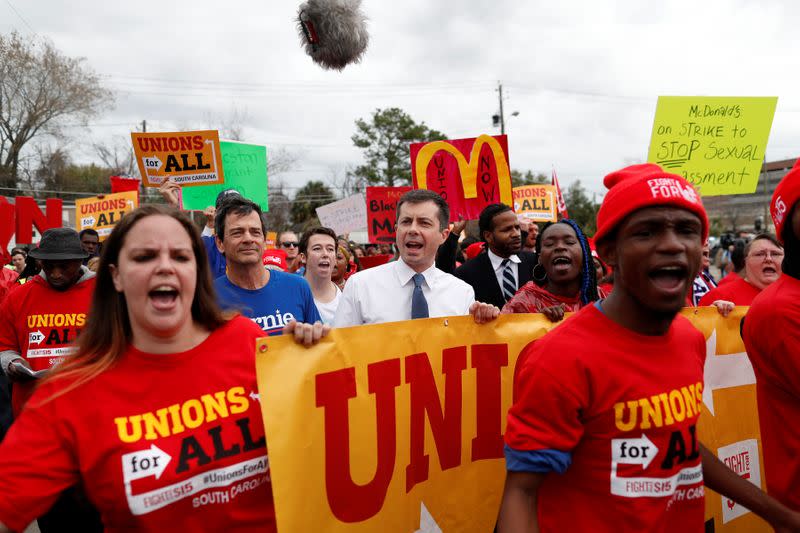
(488, 359)
(29, 215)
(6, 222)
(350, 502)
(445, 424)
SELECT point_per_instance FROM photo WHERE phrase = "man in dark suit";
(500, 271)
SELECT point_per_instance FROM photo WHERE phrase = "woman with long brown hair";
(157, 413)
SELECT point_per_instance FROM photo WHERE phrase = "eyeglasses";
(290, 244)
(762, 255)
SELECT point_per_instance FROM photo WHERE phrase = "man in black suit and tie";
(500, 271)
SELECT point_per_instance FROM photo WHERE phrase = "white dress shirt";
(497, 265)
(383, 294)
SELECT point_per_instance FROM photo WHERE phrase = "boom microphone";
(334, 32)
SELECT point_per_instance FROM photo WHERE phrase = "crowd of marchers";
(104, 344)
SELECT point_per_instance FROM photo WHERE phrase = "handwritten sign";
(188, 157)
(344, 216)
(382, 212)
(398, 435)
(716, 143)
(536, 202)
(469, 173)
(102, 212)
(245, 167)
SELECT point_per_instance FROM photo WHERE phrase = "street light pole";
(502, 117)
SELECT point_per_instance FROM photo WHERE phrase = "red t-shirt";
(772, 338)
(624, 406)
(738, 291)
(40, 323)
(169, 442)
(7, 279)
(532, 298)
(731, 276)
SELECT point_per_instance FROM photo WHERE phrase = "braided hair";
(588, 274)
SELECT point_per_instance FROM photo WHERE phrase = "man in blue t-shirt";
(270, 298)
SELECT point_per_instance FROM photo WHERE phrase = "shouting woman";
(564, 279)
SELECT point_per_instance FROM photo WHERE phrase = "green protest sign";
(716, 143)
(245, 167)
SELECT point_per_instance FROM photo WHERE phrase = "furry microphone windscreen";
(334, 32)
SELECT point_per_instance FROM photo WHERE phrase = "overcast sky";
(584, 76)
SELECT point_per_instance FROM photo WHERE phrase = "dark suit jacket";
(479, 273)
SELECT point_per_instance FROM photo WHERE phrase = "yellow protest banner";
(536, 202)
(102, 212)
(188, 157)
(716, 143)
(728, 425)
(408, 435)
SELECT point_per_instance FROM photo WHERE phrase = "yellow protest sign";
(536, 202)
(716, 143)
(395, 437)
(729, 423)
(188, 157)
(102, 212)
(272, 240)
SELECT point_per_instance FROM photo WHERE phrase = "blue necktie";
(419, 305)
(509, 284)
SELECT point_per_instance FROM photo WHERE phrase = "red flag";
(562, 207)
(124, 183)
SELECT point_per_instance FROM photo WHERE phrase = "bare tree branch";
(39, 87)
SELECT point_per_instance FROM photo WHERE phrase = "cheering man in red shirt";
(602, 435)
(772, 337)
(40, 320)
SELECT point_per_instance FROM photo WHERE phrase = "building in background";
(747, 212)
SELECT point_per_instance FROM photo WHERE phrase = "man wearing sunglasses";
(288, 242)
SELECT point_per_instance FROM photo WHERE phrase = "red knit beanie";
(786, 194)
(639, 186)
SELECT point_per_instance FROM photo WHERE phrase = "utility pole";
(144, 126)
(502, 117)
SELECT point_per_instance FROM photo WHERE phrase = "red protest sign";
(382, 212)
(469, 173)
(369, 261)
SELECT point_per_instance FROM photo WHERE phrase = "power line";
(14, 9)
(293, 84)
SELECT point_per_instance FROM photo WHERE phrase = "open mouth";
(770, 271)
(414, 246)
(323, 264)
(163, 296)
(669, 278)
(561, 264)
